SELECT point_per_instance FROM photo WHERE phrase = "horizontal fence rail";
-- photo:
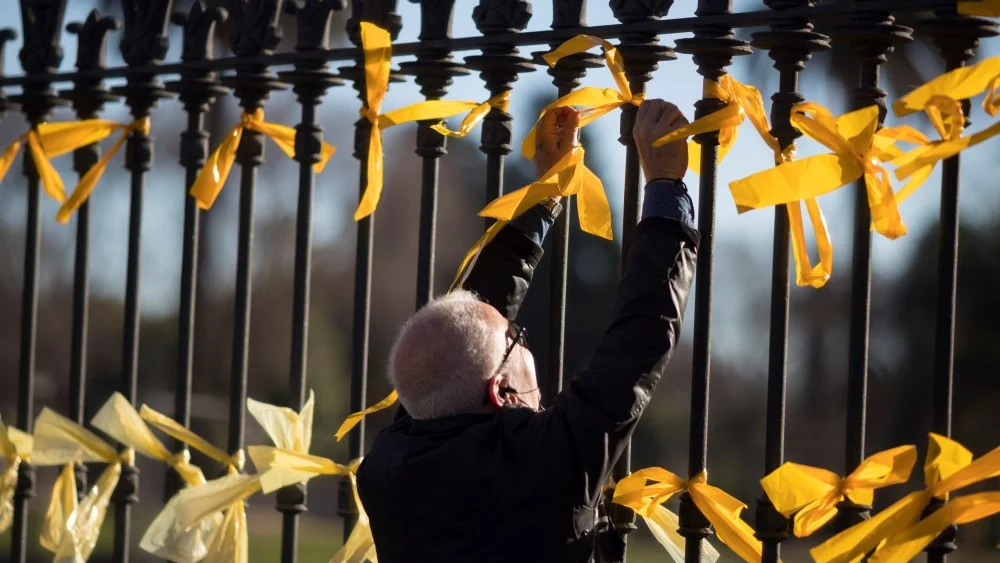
(789, 31)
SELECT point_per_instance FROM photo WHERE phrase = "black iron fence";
(253, 70)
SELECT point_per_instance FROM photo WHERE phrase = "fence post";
(382, 14)
(566, 76)
(871, 35)
(713, 49)
(790, 43)
(641, 52)
(498, 66)
(144, 43)
(88, 97)
(6, 34)
(310, 80)
(957, 37)
(432, 70)
(40, 55)
(197, 90)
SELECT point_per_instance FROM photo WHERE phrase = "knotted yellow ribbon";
(50, 140)
(721, 509)
(212, 177)
(856, 151)
(377, 46)
(477, 112)
(941, 99)
(15, 447)
(812, 494)
(91, 131)
(986, 8)
(290, 463)
(742, 102)
(948, 467)
(598, 101)
(71, 528)
(167, 537)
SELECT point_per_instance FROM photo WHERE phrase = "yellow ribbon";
(212, 177)
(856, 151)
(948, 467)
(959, 84)
(721, 509)
(986, 8)
(50, 140)
(15, 447)
(91, 131)
(71, 528)
(353, 419)
(377, 46)
(166, 536)
(812, 494)
(290, 463)
(598, 101)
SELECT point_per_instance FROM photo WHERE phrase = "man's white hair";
(444, 354)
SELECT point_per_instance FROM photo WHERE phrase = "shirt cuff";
(669, 199)
(535, 223)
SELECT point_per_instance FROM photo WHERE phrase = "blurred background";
(902, 288)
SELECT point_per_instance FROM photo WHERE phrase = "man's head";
(449, 358)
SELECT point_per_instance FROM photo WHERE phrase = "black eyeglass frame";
(517, 335)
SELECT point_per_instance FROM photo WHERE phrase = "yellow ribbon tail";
(175, 430)
(723, 511)
(469, 260)
(353, 419)
(279, 467)
(907, 545)
(374, 174)
(62, 503)
(476, 114)
(663, 525)
(229, 541)
(82, 525)
(201, 501)
(359, 547)
(592, 206)
(168, 539)
(212, 177)
(7, 159)
(806, 273)
(861, 538)
(47, 174)
(729, 116)
(793, 181)
(8, 484)
(89, 180)
(959, 84)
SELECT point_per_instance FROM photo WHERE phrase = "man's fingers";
(548, 141)
(567, 128)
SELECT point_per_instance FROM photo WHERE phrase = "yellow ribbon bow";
(290, 463)
(91, 131)
(50, 140)
(986, 8)
(212, 177)
(856, 151)
(721, 509)
(376, 43)
(948, 467)
(71, 528)
(15, 446)
(167, 537)
(812, 494)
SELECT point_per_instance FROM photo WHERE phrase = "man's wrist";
(669, 199)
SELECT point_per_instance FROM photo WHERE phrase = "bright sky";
(747, 237)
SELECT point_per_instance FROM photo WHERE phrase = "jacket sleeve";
(600, 407)
(503, 272)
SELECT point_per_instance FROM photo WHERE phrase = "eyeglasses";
(517, 335)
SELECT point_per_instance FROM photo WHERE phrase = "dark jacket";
(518, 485)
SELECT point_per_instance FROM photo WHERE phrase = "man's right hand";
(655, 119)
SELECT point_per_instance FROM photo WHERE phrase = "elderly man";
(473, 469)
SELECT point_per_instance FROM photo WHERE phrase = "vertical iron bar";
(39, 55)
(382, 14)
(144, 42)
(713, 49)
(957, 37)
(197, 90)
(256, 33)
(871, 35)
(790, 44)
(566, 76)
(432, 70)
(498, 66)
(88, 97)
(641, 53)
(310, 80)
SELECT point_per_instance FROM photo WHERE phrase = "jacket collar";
(449, 423)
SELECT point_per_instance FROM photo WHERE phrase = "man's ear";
(498, 398)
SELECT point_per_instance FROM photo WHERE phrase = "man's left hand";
(556, 136)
